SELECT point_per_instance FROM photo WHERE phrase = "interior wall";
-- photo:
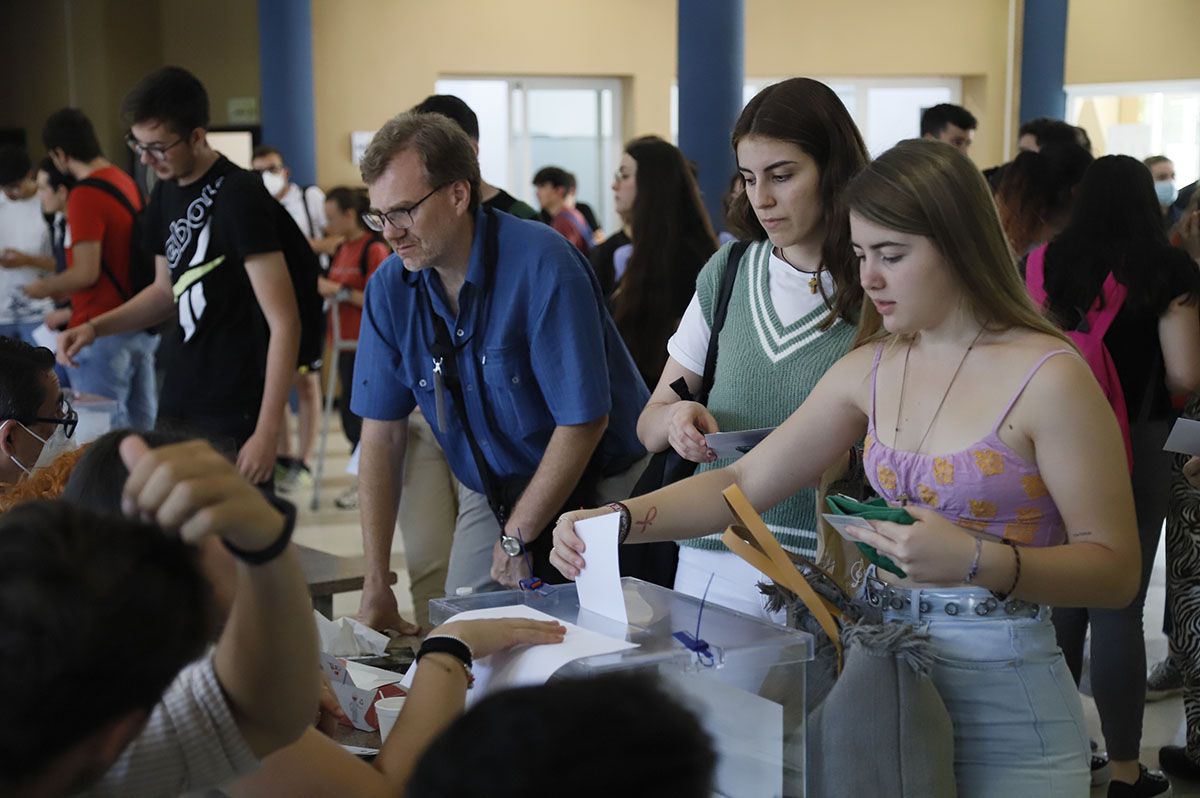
(217, 40)
(1132, 40)
(375, 58)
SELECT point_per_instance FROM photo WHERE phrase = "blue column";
(1043, 59)
(710, 74)
(286, 67)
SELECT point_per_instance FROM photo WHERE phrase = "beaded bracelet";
(1016, 576)
(626, 520)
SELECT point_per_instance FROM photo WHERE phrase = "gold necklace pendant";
(812, 283)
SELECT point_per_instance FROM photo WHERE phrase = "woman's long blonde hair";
(930, 189)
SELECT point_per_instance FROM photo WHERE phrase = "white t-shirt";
(22, 227)
(295, 199)
(790, 294)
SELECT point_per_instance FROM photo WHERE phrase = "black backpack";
(304, 268)
(141, 260)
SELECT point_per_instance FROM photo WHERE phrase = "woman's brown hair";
(808, 113)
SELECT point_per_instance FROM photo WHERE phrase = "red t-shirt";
(93, 215)
(347, 270)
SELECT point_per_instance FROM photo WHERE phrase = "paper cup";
(387, 710)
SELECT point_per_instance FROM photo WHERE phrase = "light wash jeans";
(1018, 720)
(121, 367)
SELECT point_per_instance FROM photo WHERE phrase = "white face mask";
(1166, 191)
(52, 447)
(275, 182)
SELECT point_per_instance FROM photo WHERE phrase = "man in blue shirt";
(482, 315)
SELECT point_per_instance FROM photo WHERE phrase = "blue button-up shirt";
(541, 352)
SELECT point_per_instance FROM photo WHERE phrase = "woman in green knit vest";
(791, 315)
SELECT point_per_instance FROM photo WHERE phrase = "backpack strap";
(119, 195)
(363, 266)
(720, 311)
(312, 231)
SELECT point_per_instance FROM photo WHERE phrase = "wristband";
(275, 549)
(626, 520)
(451, 646)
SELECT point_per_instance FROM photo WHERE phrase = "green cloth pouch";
(876, 509)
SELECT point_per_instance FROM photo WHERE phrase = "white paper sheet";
(528, 665)
(368, 677)
(44, 336)
(347, 637)
(1184, 437)
(599, 583)
(735, 444)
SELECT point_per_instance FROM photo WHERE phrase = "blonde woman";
(984, 422)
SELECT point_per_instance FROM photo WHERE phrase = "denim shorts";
(1018, 720)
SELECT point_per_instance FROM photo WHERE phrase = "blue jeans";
(1018, 720)
(20, 331)
(121, 367)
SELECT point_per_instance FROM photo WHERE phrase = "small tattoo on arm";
(648, 521)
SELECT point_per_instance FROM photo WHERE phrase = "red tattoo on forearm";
(648, 521)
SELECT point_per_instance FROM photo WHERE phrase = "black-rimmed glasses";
(69, 418)
(156, 152)
(399, 218)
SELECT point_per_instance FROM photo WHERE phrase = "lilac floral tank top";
(986, 487)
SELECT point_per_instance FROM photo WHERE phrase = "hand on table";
(488, 636)
(378, 610)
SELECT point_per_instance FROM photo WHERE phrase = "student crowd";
(1000, 353)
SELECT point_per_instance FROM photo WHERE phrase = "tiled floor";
(337, 531)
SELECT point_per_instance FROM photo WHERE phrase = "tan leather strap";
(753, 542)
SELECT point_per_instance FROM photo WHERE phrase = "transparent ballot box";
(749, 693)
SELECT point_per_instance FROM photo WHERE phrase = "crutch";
(338, 347)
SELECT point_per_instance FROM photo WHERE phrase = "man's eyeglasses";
(157, 152)
(400, 218)
(68, 418)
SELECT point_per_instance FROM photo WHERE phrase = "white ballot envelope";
(735, 444)
(1184, 437)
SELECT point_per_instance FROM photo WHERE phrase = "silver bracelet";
(973, 571)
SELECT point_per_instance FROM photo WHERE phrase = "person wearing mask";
(792, 313)
(36, 420)
(981, 420)
(672, 240)
(1162, 169)
(353, 264)
(1116, 228)
(306, 206)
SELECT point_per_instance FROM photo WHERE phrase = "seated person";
(316, 765)
(36, 423)
(602, 737)
(114, 609)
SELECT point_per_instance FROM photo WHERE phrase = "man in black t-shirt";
(219, 264)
